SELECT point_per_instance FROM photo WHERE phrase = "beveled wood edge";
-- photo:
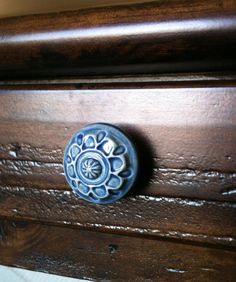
(207, 78)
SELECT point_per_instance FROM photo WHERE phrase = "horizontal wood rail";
(155, 37)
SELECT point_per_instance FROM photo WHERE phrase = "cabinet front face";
(136, 97)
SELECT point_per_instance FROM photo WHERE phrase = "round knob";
(100, 163)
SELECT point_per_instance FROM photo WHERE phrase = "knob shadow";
(145, 160)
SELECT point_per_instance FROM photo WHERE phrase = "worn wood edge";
(188, 183)
(101, 81)
(10, 96)
(27, 9)
(95, 255)
(182, 219)
(120, 85)
(198, 7)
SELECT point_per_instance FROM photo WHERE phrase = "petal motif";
(89, 143)
(101, 135)
(83, 188)
(100, 192)
(114, 182)
(74, 151)
(80, 139)
(106, 147)
(125, 173)
(120, 150)
(116, 163)
(73, 183)
(68, 159)
(71, 171)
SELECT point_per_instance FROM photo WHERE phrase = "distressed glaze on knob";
(100, 163)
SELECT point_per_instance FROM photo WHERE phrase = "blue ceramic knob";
(100, 163)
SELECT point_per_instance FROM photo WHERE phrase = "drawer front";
(186, 136)
(186, 139)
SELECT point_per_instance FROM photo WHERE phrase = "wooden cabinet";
(164, 72)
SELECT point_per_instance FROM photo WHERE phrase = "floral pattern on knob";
(100, 163)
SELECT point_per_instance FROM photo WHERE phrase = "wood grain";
(139, 81)
(99, 256)
(185, 136)
(11, 8)
(160, 36)
(178, 115)
(193, 220)
(164, 181)
(178, 222)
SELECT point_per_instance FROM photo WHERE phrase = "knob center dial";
(92, 167)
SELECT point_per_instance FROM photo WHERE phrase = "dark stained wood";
(165, 181)
(178, 223)
(160, 36)
(186, 128)
(100, 82)
(187, 135)
(98, 256)
(191, 220)
(13, 8)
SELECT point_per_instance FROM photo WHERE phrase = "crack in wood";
(199, 220)
(164, 181)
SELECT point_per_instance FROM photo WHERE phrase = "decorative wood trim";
(155, 37)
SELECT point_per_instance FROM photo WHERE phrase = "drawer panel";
(186, 135)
